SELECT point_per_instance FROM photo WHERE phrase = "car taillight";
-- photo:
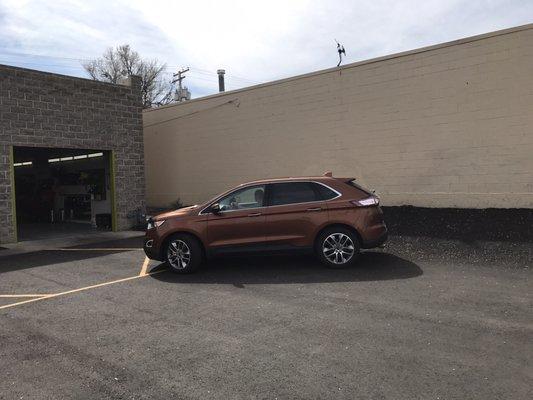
(366, 202)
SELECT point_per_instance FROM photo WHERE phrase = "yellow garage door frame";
(112, 169)
(13, 193)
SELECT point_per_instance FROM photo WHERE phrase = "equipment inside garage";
(61, 191)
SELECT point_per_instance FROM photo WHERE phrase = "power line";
(82, 59)
(46, 56)
(42, 65)
(212, 78)
(206, 72)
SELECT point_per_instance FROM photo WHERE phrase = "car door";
(241, 221)
(294, 214)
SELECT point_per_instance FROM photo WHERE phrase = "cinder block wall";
(48, 110)
(445, 126)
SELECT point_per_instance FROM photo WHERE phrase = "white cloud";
(255, 40)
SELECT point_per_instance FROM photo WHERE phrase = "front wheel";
(337, 247)
(183, 254)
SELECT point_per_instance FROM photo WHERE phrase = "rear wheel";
(337, 247)
(183, 254)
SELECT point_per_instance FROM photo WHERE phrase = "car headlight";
(154, 224)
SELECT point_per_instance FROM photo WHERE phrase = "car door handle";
(314, 209)
(254, 215)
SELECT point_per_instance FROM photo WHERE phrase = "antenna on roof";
(341, 51)
(328, 173)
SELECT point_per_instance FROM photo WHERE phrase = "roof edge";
(419, 50)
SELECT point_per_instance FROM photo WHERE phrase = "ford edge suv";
(332, 217)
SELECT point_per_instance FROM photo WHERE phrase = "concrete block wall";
(445, 126)
(48, 110)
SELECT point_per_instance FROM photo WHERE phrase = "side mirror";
(215, 208)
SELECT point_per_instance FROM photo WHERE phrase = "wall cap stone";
(61, 76)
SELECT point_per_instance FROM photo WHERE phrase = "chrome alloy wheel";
(178, 254)
(338, 248)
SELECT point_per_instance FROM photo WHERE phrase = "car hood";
(180, 212)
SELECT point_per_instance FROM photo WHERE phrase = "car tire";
(337, 247)
(183, 253)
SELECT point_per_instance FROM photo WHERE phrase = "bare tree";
(121, 62)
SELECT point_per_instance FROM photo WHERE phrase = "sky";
(254, 41)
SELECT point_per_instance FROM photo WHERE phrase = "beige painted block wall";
(445, 126)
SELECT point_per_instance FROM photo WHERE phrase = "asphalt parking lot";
(421, 319)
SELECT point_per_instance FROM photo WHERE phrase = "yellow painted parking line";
(36, 297)
(144, 268)
(23, 302)
(50, 296)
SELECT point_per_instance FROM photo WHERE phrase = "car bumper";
(377, 241)
(151, 250)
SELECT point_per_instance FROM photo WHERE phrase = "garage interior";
(60, 192)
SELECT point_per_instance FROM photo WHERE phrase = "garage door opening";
(62, 192)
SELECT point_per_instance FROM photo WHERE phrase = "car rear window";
(292, 192)
(324, 192)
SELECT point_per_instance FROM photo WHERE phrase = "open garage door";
(62, 192)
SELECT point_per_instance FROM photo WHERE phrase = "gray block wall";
(48, 110)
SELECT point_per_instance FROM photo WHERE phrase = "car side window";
(292, 192)
(325, 192)
(243, 199)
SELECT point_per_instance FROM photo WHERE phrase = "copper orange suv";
(334, 217)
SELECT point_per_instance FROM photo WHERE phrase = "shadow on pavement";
(372, 266)
(44, 258)
(134, 242)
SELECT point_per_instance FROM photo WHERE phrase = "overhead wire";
(194, 70)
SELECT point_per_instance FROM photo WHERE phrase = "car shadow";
(372, 266)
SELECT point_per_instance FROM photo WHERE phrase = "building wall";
(48, 110)
(445, 126)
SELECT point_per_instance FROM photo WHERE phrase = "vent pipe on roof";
(221, 86)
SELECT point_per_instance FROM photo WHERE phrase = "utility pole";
(182, 93)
